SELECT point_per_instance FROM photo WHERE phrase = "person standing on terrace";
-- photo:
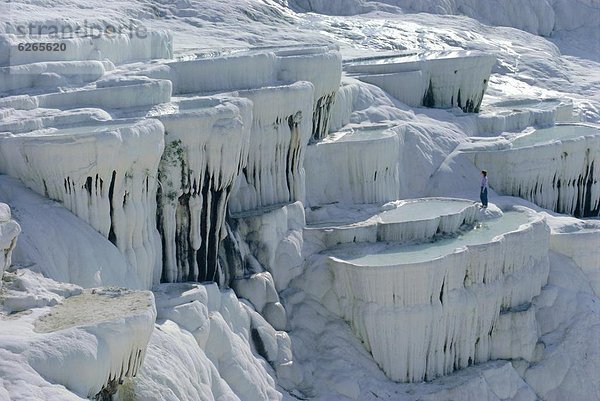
(483, 195)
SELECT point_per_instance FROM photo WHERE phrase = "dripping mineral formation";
(268, 204)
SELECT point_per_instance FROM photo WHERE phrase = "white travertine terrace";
(518, 114)
(85, 342)
(268, 142)
(51, 73)
(320, 65)
(111, 96)
(270, 79)
(281, 129)
(93, 341)
(343, 105)
(425, 310)
(47, 118)
(119, 48)
(400, 221)
(301, 65)
(207, 143)
(106, 176)
(434, 79)
(105, 95)
(224, 153)
(359, 165)
(58, 244)
(556, 168)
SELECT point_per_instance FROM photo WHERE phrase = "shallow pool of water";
(423, 210)
(395, 254)
(559, 132)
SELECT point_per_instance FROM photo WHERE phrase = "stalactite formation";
(561, 175)
(107, 178)
(207, 147)
(425, 318)
(358, 165)
(321, 117)
(432, 79)
(280, 133)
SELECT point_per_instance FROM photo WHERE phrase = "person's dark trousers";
(484, 197)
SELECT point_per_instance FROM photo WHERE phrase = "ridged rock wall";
(561, 175)
(206, 148)
(435, 79)
(425, 319)
(107, 177)
(281, 129)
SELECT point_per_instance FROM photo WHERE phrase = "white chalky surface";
(280, 123)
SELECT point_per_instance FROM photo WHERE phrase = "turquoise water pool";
(396, 254)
